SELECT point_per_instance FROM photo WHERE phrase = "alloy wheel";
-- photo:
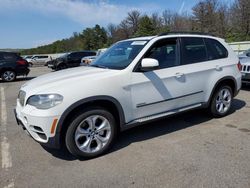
(223, 100)
(92, 134)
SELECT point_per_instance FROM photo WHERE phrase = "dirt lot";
(187, 150)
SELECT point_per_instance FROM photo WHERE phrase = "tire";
(61, 67)
(8, 75)
(84, 140)
(221, 101)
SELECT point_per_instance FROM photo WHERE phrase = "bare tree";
(132, 20)
(167, 17)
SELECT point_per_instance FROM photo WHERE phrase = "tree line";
(215, 17)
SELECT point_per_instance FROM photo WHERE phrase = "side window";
(193, 50)
(72, 55)
(215, 49)
(91, 53)
(10, 56)
(1, 57)
(82, 54)
(165, 51)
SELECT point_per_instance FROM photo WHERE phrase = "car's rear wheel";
(221, 101)
(8, 76)
(91, 133)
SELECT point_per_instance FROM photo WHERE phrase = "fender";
(235, 92)
(91, 99)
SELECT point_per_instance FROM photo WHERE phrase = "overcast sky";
(30, 23)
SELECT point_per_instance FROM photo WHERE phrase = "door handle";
(218, 68)
(179, 75)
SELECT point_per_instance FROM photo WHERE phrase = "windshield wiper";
(99, 66)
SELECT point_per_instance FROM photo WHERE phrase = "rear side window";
(91, 54)
(215, 49)
(193, 50)
(1, 56)
(10, 56)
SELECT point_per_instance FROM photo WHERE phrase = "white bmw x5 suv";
(133, 82)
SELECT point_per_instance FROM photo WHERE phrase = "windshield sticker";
(139, 42)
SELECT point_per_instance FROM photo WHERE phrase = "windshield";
(120, 55)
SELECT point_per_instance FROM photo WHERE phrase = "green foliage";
(90, 39)
(231, 22)
(146, 27)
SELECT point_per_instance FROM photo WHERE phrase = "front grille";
(245, 68)
(21, 97)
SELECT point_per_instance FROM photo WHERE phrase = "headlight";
(45, 101)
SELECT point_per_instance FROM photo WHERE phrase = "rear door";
(72, 59)
(196, 65)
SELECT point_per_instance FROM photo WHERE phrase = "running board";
(156, 116)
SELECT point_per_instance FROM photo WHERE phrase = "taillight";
(239, 66)
(21, 62)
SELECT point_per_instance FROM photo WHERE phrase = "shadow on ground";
(19, 79)
(245, 87)
(155, 129)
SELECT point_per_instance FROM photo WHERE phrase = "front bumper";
(39, 128)
(245, 77)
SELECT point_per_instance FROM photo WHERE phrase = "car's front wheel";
(91, 133)
(221, 101)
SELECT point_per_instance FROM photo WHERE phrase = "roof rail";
(184, 32)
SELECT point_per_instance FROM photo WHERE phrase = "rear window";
(215, 49)
(193, 50)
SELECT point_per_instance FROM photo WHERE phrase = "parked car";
(245, 54)
(28, 59)
(133, 82)
(39, 59)
(68, 60)
(245, 70)
(89, 59)
(12, 65)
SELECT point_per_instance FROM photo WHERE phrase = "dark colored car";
(12, 65)
(72, 59)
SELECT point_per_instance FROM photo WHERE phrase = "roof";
(176, 34)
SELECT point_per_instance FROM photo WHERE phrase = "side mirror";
(149, 64)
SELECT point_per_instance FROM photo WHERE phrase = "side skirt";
(154, 117)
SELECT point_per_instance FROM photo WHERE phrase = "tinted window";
(165, 51)
(83, 54)
(91, 53)
(215, 49)
(9, 56)
(73, 55)
(193, 50)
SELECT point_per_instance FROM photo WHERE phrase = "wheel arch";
(107, 102)
(7, 68)
(228, 80)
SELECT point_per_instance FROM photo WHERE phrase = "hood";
(64, 77)
(245, 60)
